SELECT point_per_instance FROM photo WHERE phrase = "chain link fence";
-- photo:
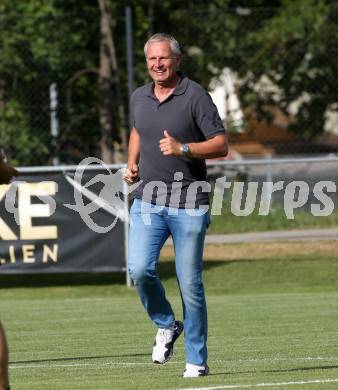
(274, 194)
(49, 87)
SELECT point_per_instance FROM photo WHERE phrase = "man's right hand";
(131, 174)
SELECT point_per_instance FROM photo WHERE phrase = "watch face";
(185, 149)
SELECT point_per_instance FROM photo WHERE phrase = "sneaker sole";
(205, 373)
(176, 336)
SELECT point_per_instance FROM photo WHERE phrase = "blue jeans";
(150, 227)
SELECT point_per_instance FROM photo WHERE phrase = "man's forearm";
(133, 148)
(212, 148)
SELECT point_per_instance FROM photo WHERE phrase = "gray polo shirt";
(189, 115)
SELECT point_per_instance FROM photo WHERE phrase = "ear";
(178, 60)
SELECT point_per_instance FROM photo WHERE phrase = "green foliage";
(21, 143)
(45, 43)
(296, 50)
(292, 43)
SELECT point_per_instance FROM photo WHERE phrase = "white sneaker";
(164, 342)
(193, 371)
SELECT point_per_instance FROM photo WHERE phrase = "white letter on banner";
(27, 210)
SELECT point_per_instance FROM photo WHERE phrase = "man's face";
(162, 63)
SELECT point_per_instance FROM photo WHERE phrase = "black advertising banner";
(51, 222)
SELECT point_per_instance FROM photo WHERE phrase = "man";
(7, 172)
(176, 126)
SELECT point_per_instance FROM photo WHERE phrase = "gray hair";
(160, 37)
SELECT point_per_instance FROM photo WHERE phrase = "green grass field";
(275, 220)
(272, 320)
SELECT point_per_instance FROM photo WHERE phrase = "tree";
(36, 38)
(83, 50)
(292, 44)
(296, 49)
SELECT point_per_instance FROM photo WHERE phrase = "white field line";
(272, 384)
(53, 364)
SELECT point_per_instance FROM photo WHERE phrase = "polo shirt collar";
(181, 87)
(182, 84)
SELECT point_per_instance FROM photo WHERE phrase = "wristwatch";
(184, 148)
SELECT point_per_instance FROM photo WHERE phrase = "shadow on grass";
(166, 271)
(313, 368)
(333, 367)
(78, 358)
(50, 280)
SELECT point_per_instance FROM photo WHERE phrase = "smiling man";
(176, 126)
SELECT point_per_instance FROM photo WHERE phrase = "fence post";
(126, 231)
(130, 69)
(267, 197)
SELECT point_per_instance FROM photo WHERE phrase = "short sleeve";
(207, 117)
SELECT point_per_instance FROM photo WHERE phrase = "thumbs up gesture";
(169, 145)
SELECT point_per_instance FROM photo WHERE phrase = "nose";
(158, 62)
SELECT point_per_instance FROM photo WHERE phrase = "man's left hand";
(169, 145)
